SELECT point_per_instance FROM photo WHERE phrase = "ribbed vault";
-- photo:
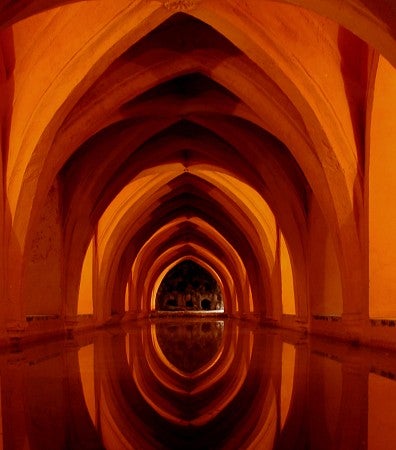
(232, 135)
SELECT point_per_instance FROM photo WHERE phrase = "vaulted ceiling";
(230, 133)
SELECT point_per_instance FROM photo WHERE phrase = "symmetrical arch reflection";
(258, 389)
(164, 404)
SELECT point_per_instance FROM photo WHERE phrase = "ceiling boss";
(180, 5)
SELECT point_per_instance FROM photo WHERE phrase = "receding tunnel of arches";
(189, 287)
(197, 169)
(185, 140)
(189, 172)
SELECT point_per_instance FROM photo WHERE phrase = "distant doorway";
(189, 287)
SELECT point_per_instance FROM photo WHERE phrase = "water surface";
(197, 384)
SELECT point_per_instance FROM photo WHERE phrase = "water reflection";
(189, 345)
(253, 389)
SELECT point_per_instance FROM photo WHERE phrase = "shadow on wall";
(11, 314)
(189, 287)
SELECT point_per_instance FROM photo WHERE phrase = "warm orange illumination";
(85, 301)
(167, 375)
(129, 197)
(326, 283)
(127, 297)
(265, 432)
(254, 204)
(288, 370)
(288, 300)
(381, 412)
(168, 130)
(382, 190)
(86, 363)
(254, 138)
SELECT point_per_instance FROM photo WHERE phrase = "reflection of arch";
(212, 332)
(123, 414)
(130, 400)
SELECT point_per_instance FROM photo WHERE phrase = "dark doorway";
(189, 287)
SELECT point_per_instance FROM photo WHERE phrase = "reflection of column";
(12, 405)
(288, 354)
(295, 431)
(353, 418)
(123, 418)
(381, 189)
(43, 404)
(325, 393)
(381, 412)
(82, 430)
(43, 401)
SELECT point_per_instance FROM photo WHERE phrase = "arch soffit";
(157, 258)
(176, 206)
(117, 223)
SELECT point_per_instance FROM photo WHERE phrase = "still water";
(197, 384)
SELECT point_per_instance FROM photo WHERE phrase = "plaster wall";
(85, 300)
(325, 283)
(382, 191)
(42, 284)
(288, 298)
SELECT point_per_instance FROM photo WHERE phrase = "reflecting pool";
(197, 384)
